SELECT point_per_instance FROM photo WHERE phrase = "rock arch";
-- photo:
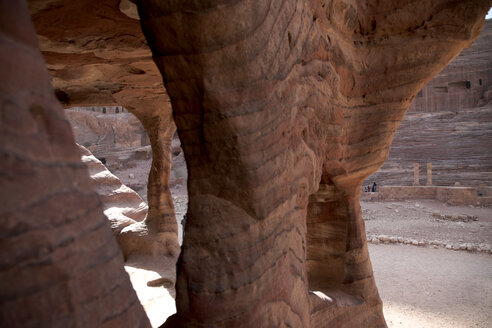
(283, 108)
(108, 62)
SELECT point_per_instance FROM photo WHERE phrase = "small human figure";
(183, 223)
(374, 187)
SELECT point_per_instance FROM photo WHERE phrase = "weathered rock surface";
(131, 166)
(122, 206)
(127, 213)
(277, 101)
(118, 139)
(59, 264)
(97, 55)
(456, 143)
(453, 122)
(464, 83)
(102, 133)
(283, 109)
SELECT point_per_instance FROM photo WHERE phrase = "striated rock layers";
(124, 209)
(465, 83)
(59, 263)
(457, 144)
(122, 205)
(97, 56)
(118, 139)
(454, 124)
(103, 133)
(283, 109)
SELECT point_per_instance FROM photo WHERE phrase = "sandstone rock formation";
(106, 132)
(464, 83)
(283, 109)
(456, 143)
(122, 206)
(59, 264)
(454, 124)
(119, 140)
(97, 55)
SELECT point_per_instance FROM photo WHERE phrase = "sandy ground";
(433, 288)
(428, 287)
(414, 219)
(420, 286)
(158, 302)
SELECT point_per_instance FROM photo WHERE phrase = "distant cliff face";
(106, 129)
(465, 83)
(448, 125)
(456, 143)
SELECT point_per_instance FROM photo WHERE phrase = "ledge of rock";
(122, 205)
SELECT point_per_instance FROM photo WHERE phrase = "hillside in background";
(449, 125)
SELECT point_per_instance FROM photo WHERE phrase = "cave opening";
(121, 143)
(120, 140)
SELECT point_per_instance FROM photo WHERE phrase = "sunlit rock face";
(282, 107)
(122, 205)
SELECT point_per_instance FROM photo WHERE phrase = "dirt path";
(433, 288)
(421, 287)
(430, 221)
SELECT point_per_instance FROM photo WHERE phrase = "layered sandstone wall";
(465, 83)
(104, 130)
(97, 56)
(118, 139)
(122, 205)
(448, 125)
(283, 108)
(59, 262)
(457, 144)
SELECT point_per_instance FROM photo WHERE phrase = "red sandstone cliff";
(464, 83)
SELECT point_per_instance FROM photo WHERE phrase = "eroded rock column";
(251, 158)
(59, 263)
(100, 57)
(268, 97)
(338, 262)
(157, 235)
